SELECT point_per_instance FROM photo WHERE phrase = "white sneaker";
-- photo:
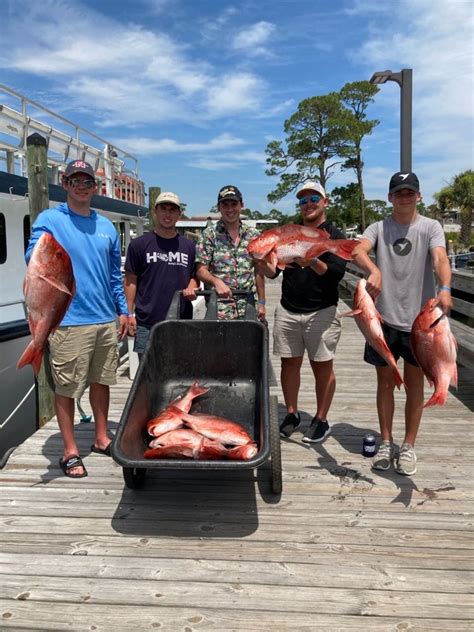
(383, 459)
(406, 462)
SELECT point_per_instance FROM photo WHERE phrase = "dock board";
(343, 548)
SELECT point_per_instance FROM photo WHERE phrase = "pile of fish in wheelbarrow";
(177, 434)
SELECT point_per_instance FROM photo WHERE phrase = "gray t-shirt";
(403, 255)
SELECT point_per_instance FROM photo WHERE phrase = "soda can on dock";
(368, 446)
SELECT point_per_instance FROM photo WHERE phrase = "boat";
(122, 201)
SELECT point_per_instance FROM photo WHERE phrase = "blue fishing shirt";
(93, 246)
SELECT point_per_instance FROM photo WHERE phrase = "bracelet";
(261, 301)
(444, 288)
(131, 315)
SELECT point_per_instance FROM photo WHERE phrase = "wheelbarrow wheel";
(134, 477)
(275, 447)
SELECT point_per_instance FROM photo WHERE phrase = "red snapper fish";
(169, 419)
(369, 322)
(204, 450)
(217, 428)
(434, 348)
(48, 288)
(281, 246)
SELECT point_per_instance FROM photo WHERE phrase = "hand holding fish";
(443, 301)
(374, 283)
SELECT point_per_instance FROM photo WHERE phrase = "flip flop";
(68, 464)
(105, 451)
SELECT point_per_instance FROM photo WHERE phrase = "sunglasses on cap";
(88, 183)
(312, 198)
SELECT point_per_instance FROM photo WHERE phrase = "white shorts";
(317, 332)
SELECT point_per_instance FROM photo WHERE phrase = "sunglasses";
(88, 183)
(312, 198)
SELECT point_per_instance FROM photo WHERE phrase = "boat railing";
(21, 117)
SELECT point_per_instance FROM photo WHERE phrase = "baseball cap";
(407, 180)
(167, 196)
(311, 185)
(79, 166)
(229, 192)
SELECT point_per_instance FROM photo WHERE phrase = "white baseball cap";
(311, 185)
(167, 196)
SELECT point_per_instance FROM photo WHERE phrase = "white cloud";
(127, 73)
(234, 93)
(152, 146)
(434, 37)
(252, 39)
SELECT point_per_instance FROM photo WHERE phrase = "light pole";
(404, 78)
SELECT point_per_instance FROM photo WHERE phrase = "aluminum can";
(368, 446)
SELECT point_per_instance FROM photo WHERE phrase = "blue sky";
(196, 90)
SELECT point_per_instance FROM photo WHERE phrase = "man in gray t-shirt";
(407, 247)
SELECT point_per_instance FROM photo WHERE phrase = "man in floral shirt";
(222, 260)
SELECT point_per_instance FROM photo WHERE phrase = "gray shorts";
(317, 332)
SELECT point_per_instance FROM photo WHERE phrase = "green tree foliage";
(356, 97)
(460, 195)
(316, 136)
(344, 207)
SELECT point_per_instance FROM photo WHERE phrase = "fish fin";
(57, 284)
(398, 378)
(343, 248)
(438, 398)
(31, 355)
(454, 377)
(353, 312)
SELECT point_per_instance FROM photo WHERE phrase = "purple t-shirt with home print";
(162, 266)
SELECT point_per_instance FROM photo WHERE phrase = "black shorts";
(399, 344)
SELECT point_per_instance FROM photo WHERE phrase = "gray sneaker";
(383, 459)
(406, 462)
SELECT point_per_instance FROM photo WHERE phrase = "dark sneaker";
(317, 432)
(289, 424)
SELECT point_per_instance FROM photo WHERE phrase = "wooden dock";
(343, 548)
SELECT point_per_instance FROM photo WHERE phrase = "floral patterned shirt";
(229, 262)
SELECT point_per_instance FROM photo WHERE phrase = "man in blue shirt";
(83, 350)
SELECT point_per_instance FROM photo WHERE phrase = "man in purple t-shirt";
(157, 265)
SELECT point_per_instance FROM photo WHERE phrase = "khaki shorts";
(317, 332)
(82, 355)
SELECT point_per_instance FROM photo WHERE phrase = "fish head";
(429, 316)
(262, 245)
(50, 257)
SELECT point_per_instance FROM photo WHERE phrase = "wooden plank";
(86, 616)
(344, 548)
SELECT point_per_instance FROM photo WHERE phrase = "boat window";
(3, 239)
(26, 231)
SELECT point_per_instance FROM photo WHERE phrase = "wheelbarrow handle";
(174, 311)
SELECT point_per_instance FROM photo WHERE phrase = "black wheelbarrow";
(230, 357)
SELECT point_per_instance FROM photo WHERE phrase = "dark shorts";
(399, 344)
(141, 336)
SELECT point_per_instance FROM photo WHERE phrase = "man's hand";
(189, 294)
(123, 326)
(222, 290)
(374, 283)
(444, 301)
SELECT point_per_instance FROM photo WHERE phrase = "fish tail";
(31, 355)
(397, 377)
(438, 398)
(197, 390)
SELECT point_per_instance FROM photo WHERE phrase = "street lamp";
(404, 79)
